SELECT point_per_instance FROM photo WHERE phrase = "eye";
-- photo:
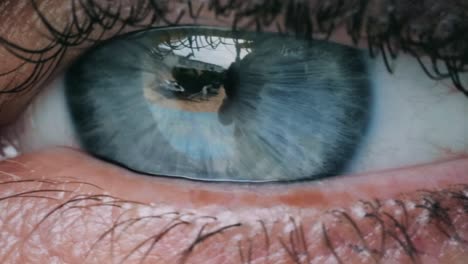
(210, 104)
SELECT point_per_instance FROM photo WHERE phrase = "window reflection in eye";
(213, 105)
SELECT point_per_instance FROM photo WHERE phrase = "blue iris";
(214, 105)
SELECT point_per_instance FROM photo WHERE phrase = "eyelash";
(392, 29)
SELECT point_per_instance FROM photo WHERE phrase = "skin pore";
(60, 205)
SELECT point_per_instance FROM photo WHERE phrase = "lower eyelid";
(332, 192)
(314, 207)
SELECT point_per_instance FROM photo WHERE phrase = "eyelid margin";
(384, 184)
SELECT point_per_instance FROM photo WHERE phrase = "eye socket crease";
(428, 28)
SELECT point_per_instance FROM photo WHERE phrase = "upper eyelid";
(388, 27)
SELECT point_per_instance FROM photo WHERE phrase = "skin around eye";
(434, 217)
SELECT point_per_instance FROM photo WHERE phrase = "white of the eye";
(416, 120)
(45, 123)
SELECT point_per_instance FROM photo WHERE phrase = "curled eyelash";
(430, 30)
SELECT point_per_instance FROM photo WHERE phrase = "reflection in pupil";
(197, 73)
(196, 84)
(193, 86)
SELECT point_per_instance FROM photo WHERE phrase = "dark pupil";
(196, 82)
(202, 82)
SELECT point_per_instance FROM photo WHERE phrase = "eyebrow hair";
(424, 29)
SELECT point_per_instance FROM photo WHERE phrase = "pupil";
(195, 86)
(197, 83)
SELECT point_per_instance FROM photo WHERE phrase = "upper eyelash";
(390, 26)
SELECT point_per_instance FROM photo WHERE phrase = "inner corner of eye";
(44, 123)
(209, 104)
